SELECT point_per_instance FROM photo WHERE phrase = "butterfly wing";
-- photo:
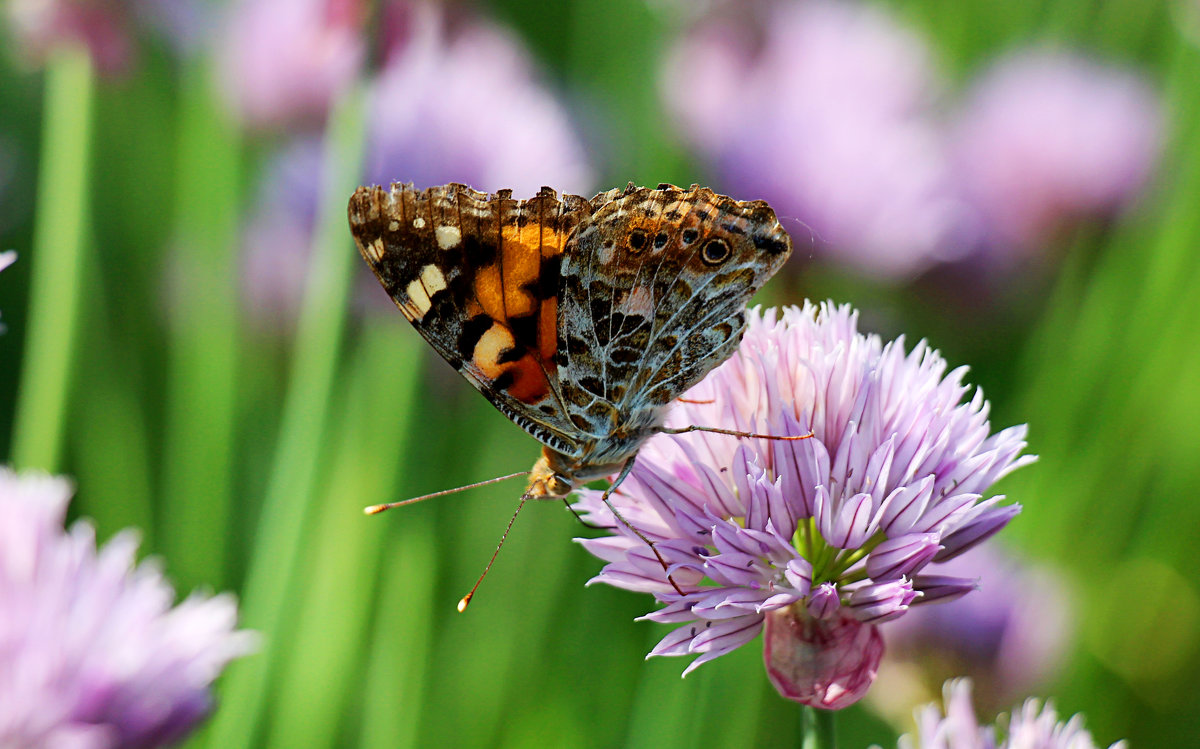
(655, 286)
(478, 277)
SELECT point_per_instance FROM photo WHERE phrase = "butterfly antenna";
(734, 433)
(466, 600)
(376, 509)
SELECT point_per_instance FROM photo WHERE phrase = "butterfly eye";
(559, 486)
(638, 240)
(715, 251)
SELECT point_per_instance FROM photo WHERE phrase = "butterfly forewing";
(478, 277)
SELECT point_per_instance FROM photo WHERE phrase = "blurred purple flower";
(187, 25)
(284, 61)
(461, 103)
(92, 654)
(825, 109)
(453, 104)
(836, 528)
(276, 242)
(101, 26)
(1009, 637)
(1045, 139)
(1032, 726)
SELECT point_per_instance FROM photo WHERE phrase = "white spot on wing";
(418, 297)
(448, 236)
(375, 249)
(433, 279)
(418, 223)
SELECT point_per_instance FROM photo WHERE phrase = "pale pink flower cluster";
(93, 652)
(1032, 726)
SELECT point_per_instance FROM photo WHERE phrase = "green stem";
(270, 588)
(57, 257)
(817, 728)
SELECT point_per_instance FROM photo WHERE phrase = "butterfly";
(580, 320)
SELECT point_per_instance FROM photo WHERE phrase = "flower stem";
(817, 728)
(60, 226)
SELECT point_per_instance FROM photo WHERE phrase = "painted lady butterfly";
(581, 320)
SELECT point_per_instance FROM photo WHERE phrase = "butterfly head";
(555, 475)
(550, 478)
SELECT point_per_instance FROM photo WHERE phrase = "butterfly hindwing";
(655, 288)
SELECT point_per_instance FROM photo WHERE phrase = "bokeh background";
(191, 336)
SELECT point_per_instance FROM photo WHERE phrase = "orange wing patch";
(518, 352)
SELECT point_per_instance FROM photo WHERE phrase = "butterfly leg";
(732, 433)
(604, 498)
(583, 522)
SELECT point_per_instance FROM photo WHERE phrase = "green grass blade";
(203, 346)
(109, 441)
(289, 494)
(57, 257)
(395, 694)
(333, 620)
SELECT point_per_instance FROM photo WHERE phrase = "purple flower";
(92, 654)
(101, 26)
(461, 103)
(826, 109)
(1046, 139)
(897, 465)
(1009, 637)
(1032, 726)
(284, 61)
(186, 25)
(277, 239)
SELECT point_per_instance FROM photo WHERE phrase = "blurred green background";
(243, 434)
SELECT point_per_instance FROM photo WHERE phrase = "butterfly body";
(580, 320)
